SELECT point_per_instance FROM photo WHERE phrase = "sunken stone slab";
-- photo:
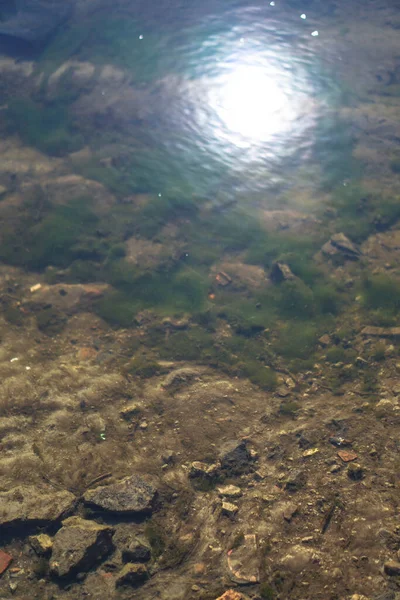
(79, 545)
(244, 562)
(129, 496)
(28, 506)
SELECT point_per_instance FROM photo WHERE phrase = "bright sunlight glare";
(252, 104)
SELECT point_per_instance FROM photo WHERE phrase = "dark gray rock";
(132, 574)
(78, 546)
(29, 506)
(137, 551)
(295, 480)
(392, 567)
(235, 458)
(35, 20)
(355, 472)
(129, 496)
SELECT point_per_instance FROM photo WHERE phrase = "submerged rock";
(243, 561)
(79, 545)
(28, 505)
(129, 496)
(338, 245)
(41, 544)
(137, 551)
(392, 567)
(132, 574)
(383, 332)
(235, 458)
(204, 470)
(281, 272)
(295, 480)
(232, 595)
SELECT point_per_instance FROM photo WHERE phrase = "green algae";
(48, 128)
(50, 238)
(381, 292)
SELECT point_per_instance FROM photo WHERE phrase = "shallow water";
(236, 97)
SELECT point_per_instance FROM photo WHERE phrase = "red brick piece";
(347, 456)
(5, 561)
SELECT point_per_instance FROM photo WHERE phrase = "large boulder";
(132, 495)
(29, 506)
(79, 545)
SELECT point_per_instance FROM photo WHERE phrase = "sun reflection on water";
(252, 103)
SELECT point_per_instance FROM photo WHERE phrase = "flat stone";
(325, 340)
(347, 455)
(129, 496)
(383, 332)
(310, 452)
(228, 509)
(78, 546)
(244, 561)
(28, 505)
(5, 561)
(42, 543)
(232, 595)
(391, 567)
(230, 491)
(132, 574)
